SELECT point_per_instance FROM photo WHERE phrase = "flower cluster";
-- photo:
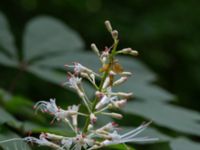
(110, 75)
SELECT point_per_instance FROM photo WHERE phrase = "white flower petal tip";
(42, 141)
(73, 81)
(79, 68)
(129, 137)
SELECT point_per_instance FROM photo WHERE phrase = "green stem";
(111, 59)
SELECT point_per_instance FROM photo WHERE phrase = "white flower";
(78, 68)
(82, 141)
(110, 97)
(104, 101)
(73, 81)
(115, 138)
(42, 141)
(120, 81)
(53, 109)
(119, 103)
(49, 107)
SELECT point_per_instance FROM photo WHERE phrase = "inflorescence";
(111, 74)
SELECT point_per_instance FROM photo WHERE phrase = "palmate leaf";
(7, 41)
(8, 55)
(46, 36)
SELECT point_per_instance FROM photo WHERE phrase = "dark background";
(166, 34)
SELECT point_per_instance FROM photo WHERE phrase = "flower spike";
(105, 99)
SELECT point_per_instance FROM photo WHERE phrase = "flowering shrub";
(90, 137)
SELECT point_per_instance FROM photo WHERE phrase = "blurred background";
(166, 34)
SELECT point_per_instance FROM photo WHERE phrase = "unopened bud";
(125, 50)
(120, 103)
(99, 94)
(85, 75)
(95, 49)
(116, 115)
(108, 25)
(128, 51)
(52, 136)
(104, 59)
(120, 81)
(125, 73)
(93, 118)
(125, 95)
(115, 34)
(106, 83)
(90, 126)
(134, 53)
(112, 73)
(107, 128)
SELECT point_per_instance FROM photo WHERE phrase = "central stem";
(106, 73)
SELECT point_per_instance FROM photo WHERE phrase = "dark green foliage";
(165, 33)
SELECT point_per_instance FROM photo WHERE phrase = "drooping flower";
(131, 136)
(41, 141)
(51, 108)
(78, 68)
(73, 81)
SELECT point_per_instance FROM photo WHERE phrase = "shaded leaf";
(13, 145)
(7, 47)
(173, 117)
(184, 144)
(141, 82)
(56, 129)
(7, 61)
(45, 35)
(6, 117)
(7, 41)
(48, 74)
